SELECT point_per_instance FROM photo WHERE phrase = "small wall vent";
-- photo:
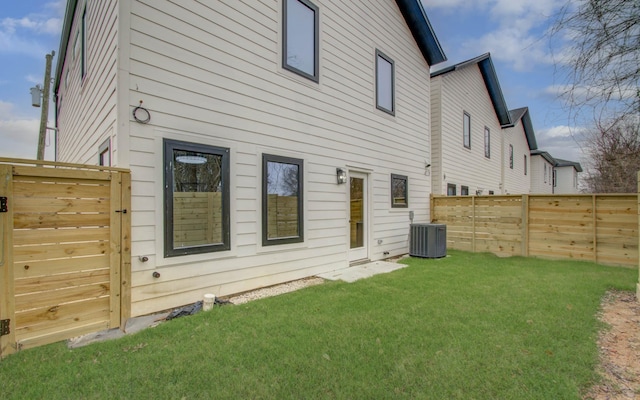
(428, 240)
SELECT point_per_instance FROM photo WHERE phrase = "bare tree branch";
(602, 59)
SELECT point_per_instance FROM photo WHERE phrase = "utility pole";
(45, 106)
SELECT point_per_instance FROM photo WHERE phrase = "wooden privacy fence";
(282, 216)
(600, 228)
(65, 255)
(197, 218)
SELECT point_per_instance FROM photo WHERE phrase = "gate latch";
(3, 204)
(4, 326)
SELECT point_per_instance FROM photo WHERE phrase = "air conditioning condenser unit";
(428, 240)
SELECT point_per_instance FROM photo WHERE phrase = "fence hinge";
(4, 326)
(3, 204)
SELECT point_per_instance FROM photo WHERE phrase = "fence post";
(595, 228)
(525, 225)
(431, 207)
(638, 285)
(7, 302)
(473, 224)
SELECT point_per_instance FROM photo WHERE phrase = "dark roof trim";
(544, 155)
(522, 114)
(490, 78)
(422, 31)
(566, 163)
(64, 40)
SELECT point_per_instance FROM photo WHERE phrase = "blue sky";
(512, 30)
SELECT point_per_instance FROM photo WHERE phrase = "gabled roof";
(567, 163)
(522, 114)
(544, 155)
(422, 31)
(64, 40)
(490, 78)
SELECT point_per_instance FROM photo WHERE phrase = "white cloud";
(563, 142)
(24, 35)
(561, 131)
(517, 29)
(19, 134)
(512, 46)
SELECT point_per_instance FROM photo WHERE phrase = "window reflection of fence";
(197, 218)
(282, 216)
(356, 225)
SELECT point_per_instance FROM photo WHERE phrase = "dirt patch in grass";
(619, 349)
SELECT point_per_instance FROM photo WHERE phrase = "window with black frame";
(399, 191)
(196, 198)
(282, 200)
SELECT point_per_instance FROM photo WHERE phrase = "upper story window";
(196, 198)
(487, 142)
(385, 85)
(300, 38)
(525, 164)
(466, 130)
(511, 156)
(545, 173)
(464, 190)
(554, 178)
(83, 33)
(399, 191)
(282, 210)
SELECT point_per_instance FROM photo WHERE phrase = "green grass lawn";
(469, 326)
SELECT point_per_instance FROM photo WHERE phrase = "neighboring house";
(566, 176)
(518, 141)
(542, 172)
(267, 140)
(468, 112)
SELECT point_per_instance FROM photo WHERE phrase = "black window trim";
(316, 62)
(388, 59)
(83, 45)
(169, 146)
(406, 191)
(511, 156)
(266, 158)
(104, 147)
(450, 186)
(487, 142)
(464, 133)
(464, 189)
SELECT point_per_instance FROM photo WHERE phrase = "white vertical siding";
(210, 73)
(515, 180)
(87, 115)
(460, 91)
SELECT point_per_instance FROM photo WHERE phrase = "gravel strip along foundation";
(275, 290)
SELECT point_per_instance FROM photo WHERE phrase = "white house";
(542, 172)
(468, 113)
(566, 176)
(268, 140)
(518, 141)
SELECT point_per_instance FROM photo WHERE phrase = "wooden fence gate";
(65, 256)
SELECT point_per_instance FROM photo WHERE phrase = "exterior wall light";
(341, 175)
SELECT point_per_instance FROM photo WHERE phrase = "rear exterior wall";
(211, 73)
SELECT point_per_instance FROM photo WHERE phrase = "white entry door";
(358, 221)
